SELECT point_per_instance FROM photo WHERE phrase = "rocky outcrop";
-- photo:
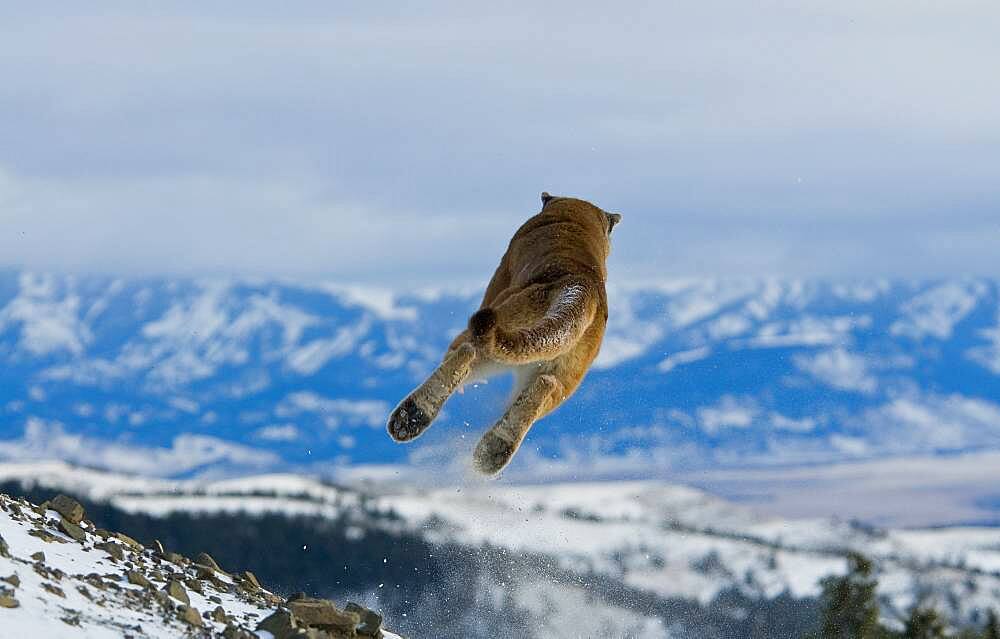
(59, 573)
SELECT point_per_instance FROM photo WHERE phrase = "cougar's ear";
(613, 219)
(546, 198)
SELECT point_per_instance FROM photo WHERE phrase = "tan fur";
(542, 317)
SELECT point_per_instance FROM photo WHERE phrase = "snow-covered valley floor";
(663, 540)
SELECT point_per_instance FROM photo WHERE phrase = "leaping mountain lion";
(542, 318)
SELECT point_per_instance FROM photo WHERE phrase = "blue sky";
(404, 145)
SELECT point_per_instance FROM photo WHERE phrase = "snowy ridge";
(62, 577)
(679, 542)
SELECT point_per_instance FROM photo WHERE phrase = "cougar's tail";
(483, 325)
(557, 328)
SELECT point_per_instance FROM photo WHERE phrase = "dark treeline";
(850, 610)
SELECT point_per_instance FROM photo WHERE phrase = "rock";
(8, 601)
(296, 596)
(219, 614)
(281, 624)
(95, 580)
(195, 585)
(189, 615)
(205, 559)
(247, 587)
(138, 579)
(55, 590)
(72, 530)
(4, 548)
(13, 580)
(176, 559)
(163, 598)
(38, 556)
(45, 535)
(69, 508)
(71, 619)
(371, 621)
(271, 599)
(223, 586)
(176, 590)
(203, 572)
(45, 572)
(232, 632)
(252, 578)
(131, 543)
(320, 613)
(113, 549)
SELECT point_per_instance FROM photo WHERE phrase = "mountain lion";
(542, 317)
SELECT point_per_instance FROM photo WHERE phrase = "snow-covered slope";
(60, 576)
(183, 377)
(678, 542)
(611, 543)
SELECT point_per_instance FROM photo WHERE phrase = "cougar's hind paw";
(492, 454)
(408, 421)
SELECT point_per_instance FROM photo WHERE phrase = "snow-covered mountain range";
(174, 377)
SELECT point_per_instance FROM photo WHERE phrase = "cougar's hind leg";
(415, 413)
(499, 444)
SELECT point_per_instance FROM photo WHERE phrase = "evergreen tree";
(992, 630)
(924, 623)
(849, 606)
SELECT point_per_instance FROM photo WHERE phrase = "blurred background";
(233, 236)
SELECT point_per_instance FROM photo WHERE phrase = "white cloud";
(853, 446)
(988, 355)
(683, 357)
(43, 440)
(616, 349)
(729, 325)
(184, 404)
(46, 321)
(312, 356)
(278, 432)
(368, 412)
(381, 301)
(628, 334)
(730, 412)
(84, 409)
(934, 313)
(839, 369)
(201, 331)
(807, 331)
(942, 422)
(802, 425)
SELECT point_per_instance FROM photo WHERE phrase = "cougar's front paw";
(408, 421)
(492, 454)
